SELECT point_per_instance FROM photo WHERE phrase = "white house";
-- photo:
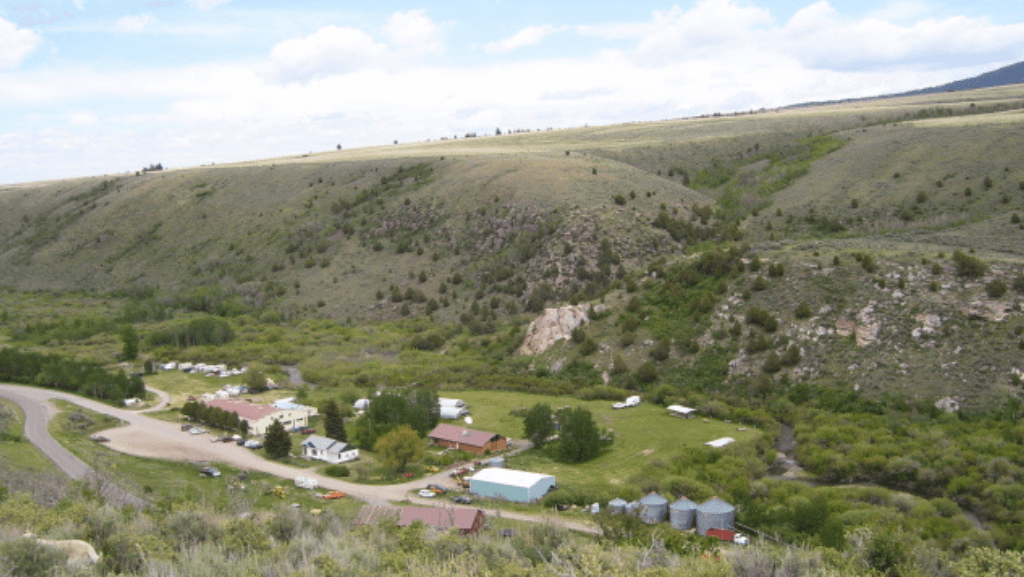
(291, 405)
(261, 416)
(324, 449)
(362, 404)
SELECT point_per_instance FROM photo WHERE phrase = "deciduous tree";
(538, 424)
(399, 447)
(579, 439)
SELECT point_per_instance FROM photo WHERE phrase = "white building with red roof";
(261, 416)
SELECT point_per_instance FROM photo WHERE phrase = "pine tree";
(334, 423)
(277, 442)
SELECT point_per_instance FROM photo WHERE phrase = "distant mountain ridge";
(1012, 74)
(1005, 76)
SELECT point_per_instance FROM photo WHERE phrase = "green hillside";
(821, 277)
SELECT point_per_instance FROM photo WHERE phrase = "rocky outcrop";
(552, 326)
(930, 324)
(992, 311)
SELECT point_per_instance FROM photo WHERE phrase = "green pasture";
(643, 434)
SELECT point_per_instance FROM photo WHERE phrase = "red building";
(467, 521)
(468, 440)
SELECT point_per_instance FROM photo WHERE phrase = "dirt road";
(145, 436)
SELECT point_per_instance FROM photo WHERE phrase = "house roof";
(461, 435)
(439, 518)
(510, 477)
(324, 444)
(244, 409)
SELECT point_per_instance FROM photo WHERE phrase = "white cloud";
(821, 38)
(708, 28)
(80, 4)
(82, 118)
(525, 37)
(356, 87)
(134, 23)
(15, 44)
(329, 50)
(207, 4)
(414, 31)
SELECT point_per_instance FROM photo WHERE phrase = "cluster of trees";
(579, 439)
(56, 372)
(418, 409)
(215, 417)
(977, 464)
(205, 330)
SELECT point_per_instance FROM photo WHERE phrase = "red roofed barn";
(467, 521)
(468, 440)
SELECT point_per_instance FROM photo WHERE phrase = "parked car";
(437, 489)
(741, 539)
(619, 406)
(100, 439)
(196, 431)
(307, 430)
(240, 441)
(208, 472)
(253, 444)
(462, 499)
(427, 494)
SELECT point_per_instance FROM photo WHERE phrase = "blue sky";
(93, 86)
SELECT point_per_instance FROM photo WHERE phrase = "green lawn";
(643, 434)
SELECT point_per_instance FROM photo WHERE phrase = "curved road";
(145, 436)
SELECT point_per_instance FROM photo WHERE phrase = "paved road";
(145, 436)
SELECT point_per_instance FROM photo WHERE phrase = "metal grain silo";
(617, 506)
(681, 514)
(653, 509)
(633, 508)
(715, 514)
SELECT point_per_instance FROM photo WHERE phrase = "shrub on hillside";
(996, 288)
(646, 373)
(762, 318)
(968, 266)
(803, 311)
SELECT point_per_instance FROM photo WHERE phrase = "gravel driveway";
(145, 436)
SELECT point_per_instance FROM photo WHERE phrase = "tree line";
(56, 372)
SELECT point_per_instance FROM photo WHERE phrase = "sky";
(90, 87)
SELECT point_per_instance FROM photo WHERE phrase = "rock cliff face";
(552, 326)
